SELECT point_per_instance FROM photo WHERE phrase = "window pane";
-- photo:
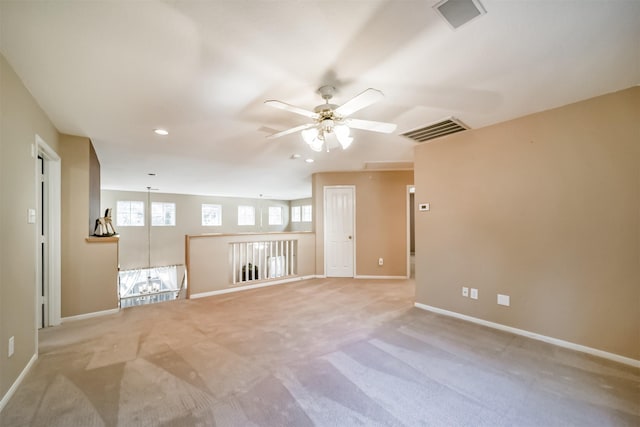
(129, 213)
(295, 214)
(163, 214)
(246, 215)
(275, 215)
(306, 213)
(211, 214)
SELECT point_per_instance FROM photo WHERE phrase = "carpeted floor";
(332, 352)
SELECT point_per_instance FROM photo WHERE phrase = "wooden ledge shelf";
(96, 239)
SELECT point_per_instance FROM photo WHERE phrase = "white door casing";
(339, 231)
(52, 225)
(42, 224)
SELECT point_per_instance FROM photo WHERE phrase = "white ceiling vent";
(459, 12)
(436, 130)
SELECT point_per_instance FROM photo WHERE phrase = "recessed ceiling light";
(161, 131)
(309, 160)
(295, 156)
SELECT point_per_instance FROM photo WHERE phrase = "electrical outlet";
(380, 261)
(474, 293)
(465, 291)
(11, 346)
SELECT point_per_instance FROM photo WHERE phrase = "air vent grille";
(456, 13)
(388, 165)
(436, 130)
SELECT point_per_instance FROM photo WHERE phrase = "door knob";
(349, 237)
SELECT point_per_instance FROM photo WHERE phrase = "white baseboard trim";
(17, 382)
(360, 276)
(247, 287)
(533, 335)
(90, 315)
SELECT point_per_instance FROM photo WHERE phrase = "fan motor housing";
(325, 109)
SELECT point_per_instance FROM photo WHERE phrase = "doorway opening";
(411, 232)
(48, 247)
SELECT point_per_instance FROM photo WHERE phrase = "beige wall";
(21, 119)
(545, 209)
(94, 189)
(381, 219)
(167, 243)
(89, 270)
(209, 261)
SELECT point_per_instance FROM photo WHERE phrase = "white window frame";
(246, 215)
(295, 214)
(215, 215)
(307, 213)
(276, 216)
(122, 210)
(163, 206)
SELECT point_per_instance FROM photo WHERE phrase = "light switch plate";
(31, 216)
(465, 291)
(423, 206)
(474, 293)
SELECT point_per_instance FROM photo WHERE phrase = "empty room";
(320, 213)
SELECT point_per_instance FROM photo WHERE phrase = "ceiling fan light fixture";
(345, 142)
(331, 126)
(341, 130)
(326, 125)
(309, 135)
(313, 138)
(342, 134)
(316, 145)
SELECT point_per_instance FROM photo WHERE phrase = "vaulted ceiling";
(116, 70)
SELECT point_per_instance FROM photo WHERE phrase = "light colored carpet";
(333, 352)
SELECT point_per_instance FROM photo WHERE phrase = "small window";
(163, 214)
(130, 213)
(275, 215)
(211, 215)
(306, 213)
(246, 215)
(295, 214)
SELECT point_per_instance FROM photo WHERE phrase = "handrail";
(264, 259)
(210, 263)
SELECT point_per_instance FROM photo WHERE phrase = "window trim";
(217, 207)
(164, 205)
(310, 212)
(280, 215)
(296, 213)
(119, 212)
(253, 212)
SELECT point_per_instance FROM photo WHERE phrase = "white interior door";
(339, 236)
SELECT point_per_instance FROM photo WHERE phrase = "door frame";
(410, 189)
(324, 223)
(53, 184)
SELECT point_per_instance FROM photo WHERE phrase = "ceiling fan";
(331, 123)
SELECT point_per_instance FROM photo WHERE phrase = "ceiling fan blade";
(292, 108)
(358, 102)
(292, 130)
(370, 125)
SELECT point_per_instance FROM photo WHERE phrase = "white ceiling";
(115, 70)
